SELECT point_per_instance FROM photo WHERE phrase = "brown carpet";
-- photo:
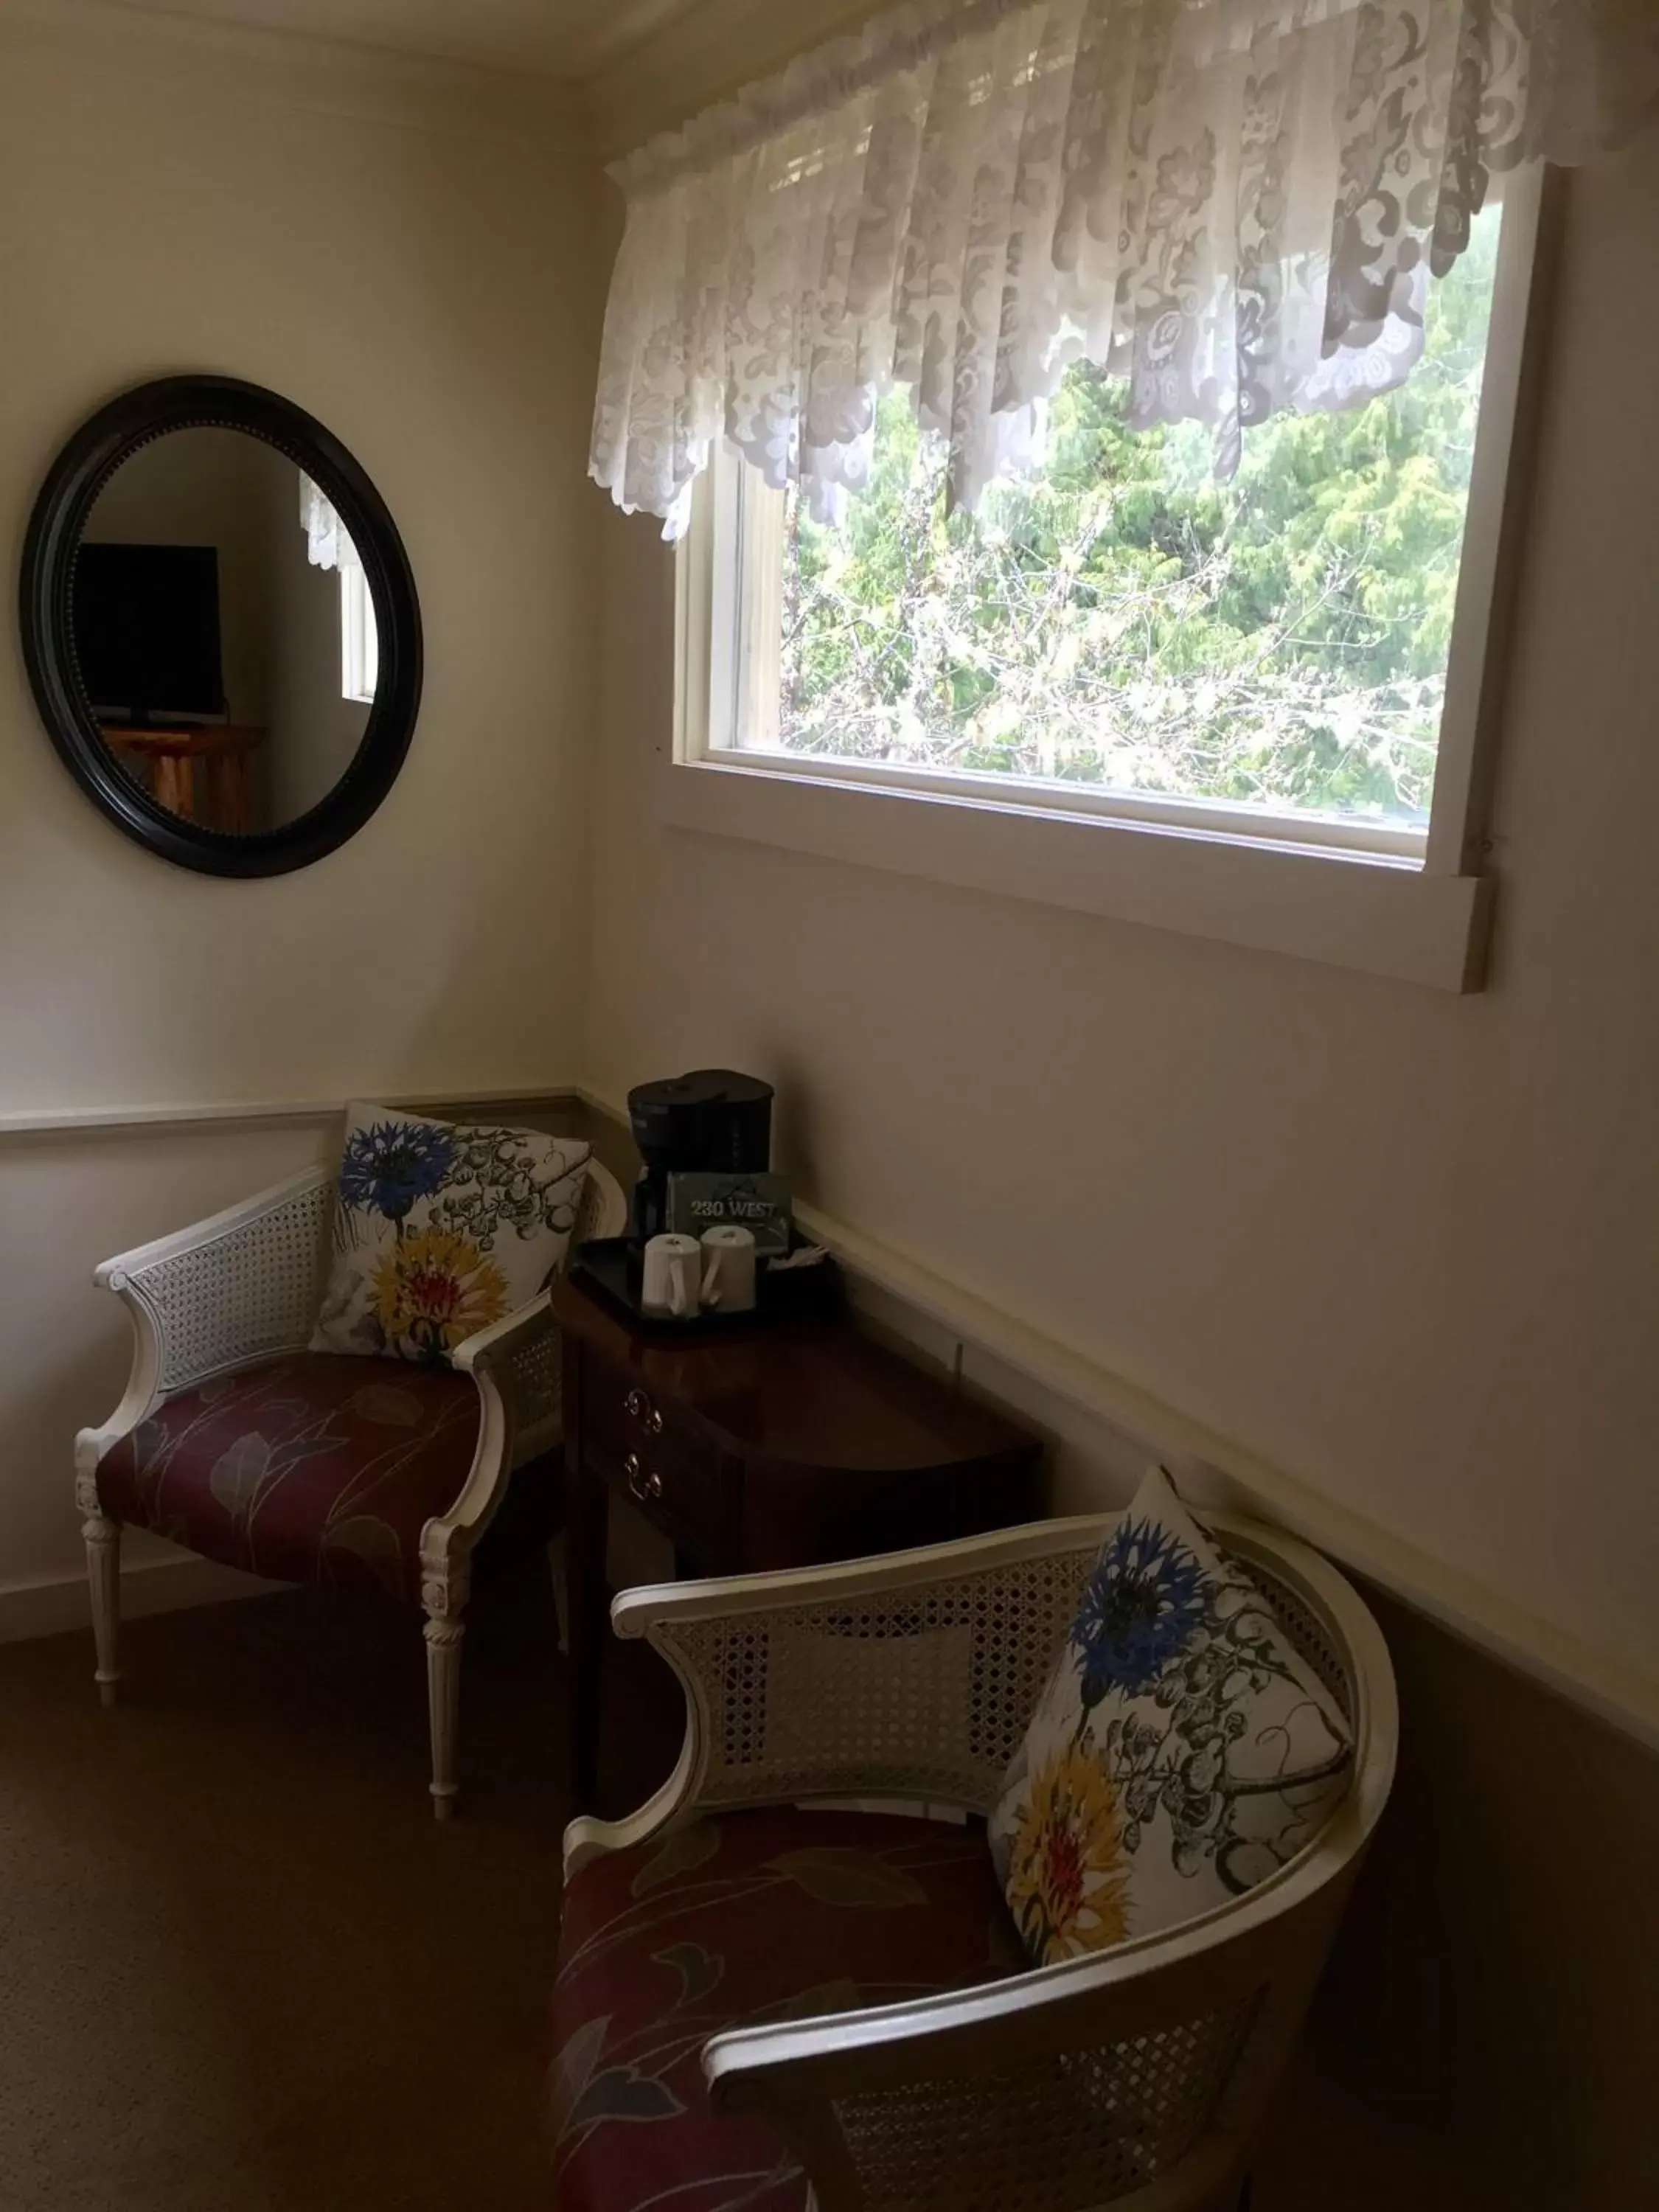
(240, 1966)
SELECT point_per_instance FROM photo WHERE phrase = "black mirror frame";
(45, 613)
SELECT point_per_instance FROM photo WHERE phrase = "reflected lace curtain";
(1235, 205)
(329, 543)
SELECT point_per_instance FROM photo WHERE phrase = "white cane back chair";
(240, 1290)
(1135, 2077)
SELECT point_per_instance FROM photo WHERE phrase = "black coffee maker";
(712, 1122)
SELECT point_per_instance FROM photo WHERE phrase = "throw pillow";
(440, 1229)
(1180, 1753)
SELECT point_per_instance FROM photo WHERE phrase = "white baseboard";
(58, 1604)
(33, 1123)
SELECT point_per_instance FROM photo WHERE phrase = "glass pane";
(1121, 621)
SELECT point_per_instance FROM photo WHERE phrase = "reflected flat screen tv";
(146, 631)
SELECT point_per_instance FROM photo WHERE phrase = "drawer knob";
(642, 1483)
(639, 1405)
(654, 1420)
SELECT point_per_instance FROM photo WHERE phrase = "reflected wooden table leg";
(175, 785)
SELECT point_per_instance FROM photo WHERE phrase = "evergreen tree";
(1121, 618)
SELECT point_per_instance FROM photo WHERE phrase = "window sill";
(1380, 916)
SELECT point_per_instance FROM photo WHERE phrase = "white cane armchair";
(1135, 2076)
(239, 1291)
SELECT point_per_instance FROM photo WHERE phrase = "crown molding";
(663, 60)
(593, 52)
(335, 77)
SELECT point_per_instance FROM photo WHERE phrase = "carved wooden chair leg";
(103, 1540)
(445, 1598)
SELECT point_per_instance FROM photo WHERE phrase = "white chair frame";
(1136, 2078)
(242, 1288)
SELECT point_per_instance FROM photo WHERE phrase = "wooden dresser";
(764, 1447)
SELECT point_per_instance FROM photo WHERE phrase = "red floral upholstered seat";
(749, 1918)
(313, 1469)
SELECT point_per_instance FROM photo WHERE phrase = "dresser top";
(816, 1391)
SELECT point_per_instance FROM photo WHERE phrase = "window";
(1289, 661)
(360, 657)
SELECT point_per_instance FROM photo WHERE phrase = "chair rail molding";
(33, 1123)
(1067, 1378)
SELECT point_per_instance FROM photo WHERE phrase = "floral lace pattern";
(1180, 1753)
(1233, 205)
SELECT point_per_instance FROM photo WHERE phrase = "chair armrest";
(495, 1346)
(517, 1362)
(603, 1209)
(1140, 2072)
(519, 1356)
(241, 1286)
(911, 1676)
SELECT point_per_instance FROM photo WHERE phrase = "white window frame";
(359, 639)
(1397, 901)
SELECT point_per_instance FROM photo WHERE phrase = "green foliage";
(1121, 619)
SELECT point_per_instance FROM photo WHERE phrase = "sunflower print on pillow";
(440, 1229)
(1181, 1751)
(1068, 1875)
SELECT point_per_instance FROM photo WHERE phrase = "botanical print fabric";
(1182, 1751)
(442, 1229)
(728, 1923)
(306, 1470)
(1233, 205)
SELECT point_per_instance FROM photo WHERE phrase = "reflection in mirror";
(224, 630)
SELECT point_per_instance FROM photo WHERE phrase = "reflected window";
(359, 648)
(330, 545)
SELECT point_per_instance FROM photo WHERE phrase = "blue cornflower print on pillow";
(389, 1165)
(1144, 1602)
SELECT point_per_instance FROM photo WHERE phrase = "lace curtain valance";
(1233, 205)
(329, 543)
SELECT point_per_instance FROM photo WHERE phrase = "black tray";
(612, 1267)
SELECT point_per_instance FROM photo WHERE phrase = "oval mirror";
(221, 626)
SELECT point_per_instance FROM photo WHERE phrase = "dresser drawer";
(651, 1455)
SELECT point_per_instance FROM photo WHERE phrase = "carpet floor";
(241, 1967)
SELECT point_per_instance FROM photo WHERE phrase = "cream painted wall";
(407, 254)
(423, 282)
(1400, 1245)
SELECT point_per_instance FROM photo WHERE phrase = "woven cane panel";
(924, 1691)
(1065, 2132)
(531, 1382)
(867, 1696)
(245, 1296)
